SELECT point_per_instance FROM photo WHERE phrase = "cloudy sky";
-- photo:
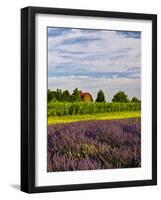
(94, 59)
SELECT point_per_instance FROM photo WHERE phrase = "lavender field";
(91, 145)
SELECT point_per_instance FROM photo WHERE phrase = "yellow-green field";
(97, 116)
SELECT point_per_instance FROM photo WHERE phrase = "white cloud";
(111, 53)
(106, 53)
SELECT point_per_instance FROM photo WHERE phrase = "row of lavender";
(94, 145)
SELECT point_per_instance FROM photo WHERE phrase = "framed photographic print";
(88, 99)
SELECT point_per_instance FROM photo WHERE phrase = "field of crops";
(81, 108)
(90, 145)
(95, 116)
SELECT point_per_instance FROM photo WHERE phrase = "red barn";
(85, 96)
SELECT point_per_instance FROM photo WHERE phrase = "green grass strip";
(97, 116)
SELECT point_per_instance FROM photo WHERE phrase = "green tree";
(100, 96)
(76, 95)
(120, 97)
(66, 96)
(58, 94)
(50, 96)
(54, 96)
(134, 99)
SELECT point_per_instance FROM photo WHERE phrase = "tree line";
(64, 96)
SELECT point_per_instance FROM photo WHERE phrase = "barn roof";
(82, 94)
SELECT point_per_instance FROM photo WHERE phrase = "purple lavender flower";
(94, 145)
